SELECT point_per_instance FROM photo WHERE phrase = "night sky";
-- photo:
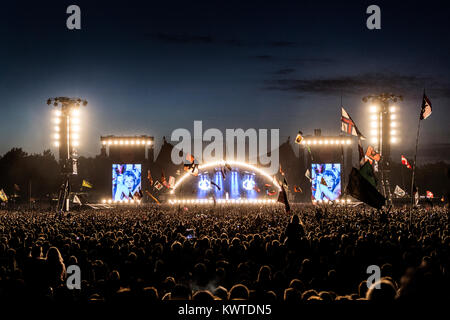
(149, 67)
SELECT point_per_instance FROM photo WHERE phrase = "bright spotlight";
(120, 142)
(56, 136)
(103, 142)
(56, 143)
(126, 142)
(57, 120)
(76, 128)
(393, 124)
(374, 124)
(320, 141)
(75, 120)
(314, 142)
(56, 128)
(373, 108)
(393, 140)
(393, 132)
(326, 142)
(149, 142)
(349, 141)
(392, 108)
(110, 142)
(374, 117)
(374, 132)
(115, 142)
(75, 143)
(132, 141)
(75, 112)
(104, 201)
(393, 116)
(374, 140)
(57, 113)
(75, 136)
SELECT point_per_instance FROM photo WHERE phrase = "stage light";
(75, 144)
(56, 143)
(373, 108)
(342, 141)
(349, 141)
(393, 116)
(56, 136)
(374, 117)
(393, 140)
(393, 132)
(120, 142)
(393, 124)
(374, 140)
(109, 201)
(392, 108)
(374, 132)
(138, 142)
(75, 112)
(248, 184)
(75, 120)
(320, 142)
(75, 128)
(314, 142)
(103, 142)
(57, 120)
(75, 136)
(326, 142)
(348, 200)
(374, 124)
(149, 142)
(116, 142)
(109, 142)
(57, 113)
(132, 141)
(104, 201)
(126, 142)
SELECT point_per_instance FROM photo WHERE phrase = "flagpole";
(414, 170)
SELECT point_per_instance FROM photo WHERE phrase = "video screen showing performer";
(326, 181)
(126, 182)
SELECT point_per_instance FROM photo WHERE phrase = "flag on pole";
(3, 196)
(426, 108)
(405, 162)
(430, 194)
(171, 182)
(86, 184)
(308, 175)
(76, 200)
(361, 153)
(372, 155)
(297, 189)
(361, 189)
(282, 197)
(416, 194)
(151, 196)
(349, 126)
(158, 185)
(367, 172)
(299, 137)
(399, 192)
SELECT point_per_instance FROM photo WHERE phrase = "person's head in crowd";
(238, 292)
(382, 291)
(203, 296)
(180, 292)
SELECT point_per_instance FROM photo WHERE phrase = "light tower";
(66, 137)
(383, 133)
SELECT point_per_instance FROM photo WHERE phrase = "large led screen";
(326, 181)
(126, 181)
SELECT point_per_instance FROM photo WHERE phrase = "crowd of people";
(153, 253)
